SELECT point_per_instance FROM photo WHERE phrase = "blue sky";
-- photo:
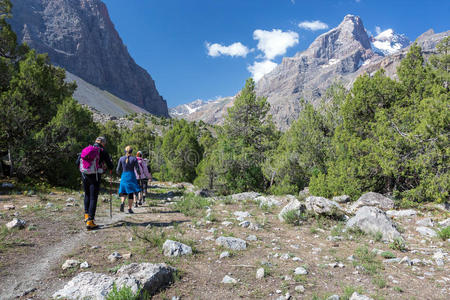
(203, 49)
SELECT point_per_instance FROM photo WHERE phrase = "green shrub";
(124, 293)
(387, 254)
(293, 217)
(367, 259)
(191, 205)
(444, 233)
(398, 244)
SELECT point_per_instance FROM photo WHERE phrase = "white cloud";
(377, 29)
(261, 68)
(275, 42)
(293, 1)
(236, 49)
(313, 25)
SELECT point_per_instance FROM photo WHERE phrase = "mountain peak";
(388, 42)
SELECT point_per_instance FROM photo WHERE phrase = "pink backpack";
(90, 160)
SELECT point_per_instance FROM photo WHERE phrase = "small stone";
(9, 207)
(405, 260)
(300, 289)
(287, 277)
(16, 223)
(115, 256)
(70, 263)
(252, 238)
(278, 291)
(244, 224)
(295, 258)
(240, 215)
(300, 271)
(70, 199)
(84, 265)
(227, 223)
(224, 254)
(228, 280)
(285, 256)
(49, 205)
(334, 297)
(356, 296)
(231, 243)
(95, 247)
(260, 273)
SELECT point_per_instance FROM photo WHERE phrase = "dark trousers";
(91, 184)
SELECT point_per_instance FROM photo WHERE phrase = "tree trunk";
(11, 169)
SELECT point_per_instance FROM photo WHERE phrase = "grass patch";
(125, 293)
(293, 217)
(378, 236)
(444, 233)
(387, 254)
(338, 229)
(398, 244)
(379, 281)
(349, 290)
(398, 289)
(191, 205)
(367, 259)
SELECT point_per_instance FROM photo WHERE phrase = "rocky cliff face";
(79, 36)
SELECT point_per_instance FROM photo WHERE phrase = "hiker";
(142, 178)
(128, 182)
(91, 163)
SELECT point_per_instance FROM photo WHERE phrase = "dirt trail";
(29, 276)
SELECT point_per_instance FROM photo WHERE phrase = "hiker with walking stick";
(142, 178)
(91, 163)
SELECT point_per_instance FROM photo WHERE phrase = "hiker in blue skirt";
(128, 182)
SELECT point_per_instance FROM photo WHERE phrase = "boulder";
(428, 222)
(372, 220)
(174, 248)
(268, 201)
(323, 206)
(89, 285)
(295, 205)
(425, 231)
(245, 196)
(231, 243)
(373, 199)
(16, 223)
(401, 213)
(341, 199)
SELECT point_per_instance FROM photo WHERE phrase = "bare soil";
(31, 259)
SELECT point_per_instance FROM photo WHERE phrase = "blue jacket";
(123, 166)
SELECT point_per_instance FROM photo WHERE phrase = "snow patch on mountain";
(388, 42)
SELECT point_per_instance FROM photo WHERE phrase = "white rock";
(244, 224)
(252, 238)
(341, 199)
(334, 297)
(425, 231)
(174, 248)
(240, 215)
(84, 265)
(224, 254)
(228, 280)
(260, 273)
(300, 289)
(232, 243)
(268, 201)
(70, 263)
(445, 222)
(16, 223)
(323, 206)
(300, 271)
(373, 199)
(294, 205)
(372, 220)
(356, 296)
(86, 285)
(427, 222)
(49, 205)
(227, 223)
(401, 213)
(9, 207)
(285, 256)
(245, 196)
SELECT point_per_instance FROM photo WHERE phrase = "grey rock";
(341, 199)
(300, 271)
(231, 243)
(84, 265)
(49, 205)
(228, 280)
(245, 224)
(372, 220)
(115, 256)
(444, 223)
(299, 289)
(224, 254)
(245, 196)
(70, 263)
(323, 206)
(356, 296)
(425, 231)
(79, 36)
(227, 223)
(334, 297)
(401, 213)
(9, 207)
(16, 223)
(204, 193)
(86, 285)
(260, 273)
(268, 201)
(294, 205)
(252, 238)
(428, 222)
(174, 248)
(240, 215)
(392, 260)
(373, 199)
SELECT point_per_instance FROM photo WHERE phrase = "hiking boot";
(135, 204)
(140, 203)
(122, 207)
(86, 217)
(130, 211)
(91, 225)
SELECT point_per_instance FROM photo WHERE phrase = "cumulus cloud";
(261, 68)
(236, 49)
(275, 42)
(313, 25)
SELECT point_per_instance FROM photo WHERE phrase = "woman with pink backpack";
(142, 178)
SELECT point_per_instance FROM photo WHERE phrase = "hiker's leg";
(130, 200)
(93, 204)
(92, 201)
(144, 189)
(86, 193)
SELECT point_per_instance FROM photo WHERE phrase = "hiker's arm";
(107, 160)
(78, 160)
(119, 167)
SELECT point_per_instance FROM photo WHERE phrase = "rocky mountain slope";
(339, 55)
(79, 36)
(212, 111)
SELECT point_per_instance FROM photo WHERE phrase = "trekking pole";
(110, 194)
